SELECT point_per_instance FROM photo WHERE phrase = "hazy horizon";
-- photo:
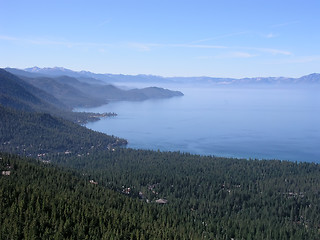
(143, 74)
(229, 39)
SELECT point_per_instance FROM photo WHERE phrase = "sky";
(216, 38)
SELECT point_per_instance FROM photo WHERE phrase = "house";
(162, 201)
(126, 190)
(93, 182)
(6, 173)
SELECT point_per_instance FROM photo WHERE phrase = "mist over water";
(263, 123)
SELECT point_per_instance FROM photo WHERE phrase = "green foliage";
(32, 134)
(39, 201)
(216, 197)
(212, 198)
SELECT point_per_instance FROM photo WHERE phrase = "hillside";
(149, 195)
(16, 93)
(75, 93)
(33, 134)
(32, 73)
(68, 90)
(20, 95)
(39, 201)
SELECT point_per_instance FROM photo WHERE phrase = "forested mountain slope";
(40, 133)
(39, 201)
(17, 94)
(206, 198)
(68, 90)
(230, 198)
(75, 93)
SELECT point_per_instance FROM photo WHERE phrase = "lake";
(262, 123)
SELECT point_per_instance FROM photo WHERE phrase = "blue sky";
(229, 38)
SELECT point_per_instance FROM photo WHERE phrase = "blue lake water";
(263, 123)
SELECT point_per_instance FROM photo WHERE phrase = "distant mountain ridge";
(75, 92)
(17, 94)
(313, 78)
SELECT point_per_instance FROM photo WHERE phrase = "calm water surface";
(248, 123)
